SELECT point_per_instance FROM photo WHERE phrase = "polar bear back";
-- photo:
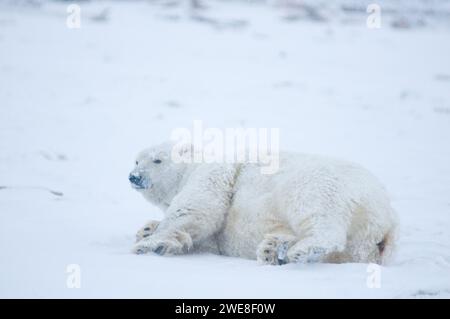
(269, 203)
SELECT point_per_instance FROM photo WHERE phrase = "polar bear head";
(156, 176)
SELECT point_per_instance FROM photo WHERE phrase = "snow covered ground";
(76, 105)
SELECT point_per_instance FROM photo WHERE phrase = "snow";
(76, 105)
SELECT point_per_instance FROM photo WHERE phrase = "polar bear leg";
(317, 241)
(147, 230)
(195, 214)
(321, 229)
(272, 250)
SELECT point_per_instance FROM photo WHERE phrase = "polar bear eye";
(157, 161)
(137, 163)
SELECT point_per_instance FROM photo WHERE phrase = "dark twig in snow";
(51, 191)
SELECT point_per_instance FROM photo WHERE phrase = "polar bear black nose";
(135, 179)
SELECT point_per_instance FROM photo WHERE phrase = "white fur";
(314, 209)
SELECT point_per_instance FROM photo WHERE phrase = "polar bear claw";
(147, 230)
(272, 250)
(174, 244)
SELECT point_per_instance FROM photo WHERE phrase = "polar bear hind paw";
(273, 249)
(147, 230)
(311, 254)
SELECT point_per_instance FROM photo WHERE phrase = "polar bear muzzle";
(138, 181)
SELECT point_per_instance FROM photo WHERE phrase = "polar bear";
(313, 209)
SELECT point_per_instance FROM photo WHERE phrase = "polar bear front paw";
(147, 230)
(177, 243)
(273, 249)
